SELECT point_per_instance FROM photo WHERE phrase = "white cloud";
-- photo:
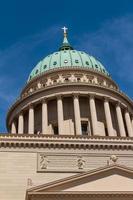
(113, 44)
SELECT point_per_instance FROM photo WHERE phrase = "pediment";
(112, 182)
(108, 178)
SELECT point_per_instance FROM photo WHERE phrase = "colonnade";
(76, 105)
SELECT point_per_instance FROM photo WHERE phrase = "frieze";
(61, 163)
(47, 162)
(72, 78)
(53, 79)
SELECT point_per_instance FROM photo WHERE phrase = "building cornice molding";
(63, 142)
(56, 195)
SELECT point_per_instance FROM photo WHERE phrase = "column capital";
(20, 113)
(92, 95)
(59, 96)
(75, 95)
(44, 100)
(30, 105)
(126, 109)
(106, 99)
(118, 103)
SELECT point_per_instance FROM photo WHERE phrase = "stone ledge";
(70, 142)
(81, 194)
(75, 137)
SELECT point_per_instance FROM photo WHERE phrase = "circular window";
(44, 66)
(87, 63)
(37, 71)
(65, 61)
(54, 63)
(76, 61)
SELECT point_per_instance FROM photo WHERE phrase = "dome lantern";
(65, 45)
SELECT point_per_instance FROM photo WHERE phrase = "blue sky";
(31, 29)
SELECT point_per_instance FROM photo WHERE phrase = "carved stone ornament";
(39, 85)
(43, 161)
(63, 162)
(113, 158)
(80, 163)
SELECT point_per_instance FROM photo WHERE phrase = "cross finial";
(65, 30)
(65, 43)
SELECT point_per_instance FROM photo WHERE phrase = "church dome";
(70, 93)
(67, 57)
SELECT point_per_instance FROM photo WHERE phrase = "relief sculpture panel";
(78, 163)
(66, 163)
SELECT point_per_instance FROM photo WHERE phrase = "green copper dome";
(67, 57)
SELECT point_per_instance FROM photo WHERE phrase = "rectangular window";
(84, 127)
(55, 130)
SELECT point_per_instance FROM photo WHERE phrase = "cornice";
(65, 142)
(80, 194)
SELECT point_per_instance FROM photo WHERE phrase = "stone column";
(128, 123)
(31, 120)
(132, 121)
(60, 114)
(77, 114)
(13, 128)
(120, 120)
(44, 117)
(21, 124)
(108, 117)
(93, 114)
